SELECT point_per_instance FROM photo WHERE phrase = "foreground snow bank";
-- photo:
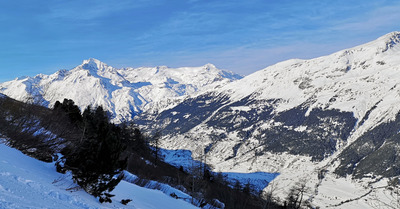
(29, 183)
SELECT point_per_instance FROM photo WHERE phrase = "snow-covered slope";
(353, 80)
(28, 183)
(323, 121)
(309, 120)
(123, 92)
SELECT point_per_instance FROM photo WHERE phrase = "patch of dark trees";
(96, 152)
(325, 128)
(375, 152)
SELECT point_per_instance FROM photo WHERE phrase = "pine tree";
(95, 159)
(68, 106)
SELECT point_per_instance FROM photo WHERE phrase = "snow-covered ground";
(363, 80)
(29, 183)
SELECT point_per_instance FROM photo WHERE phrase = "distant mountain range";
(123, 92)
(325, 121)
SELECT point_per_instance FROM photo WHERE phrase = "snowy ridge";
(311, 121)
(321, 121)
(124, 92)
(353, 80)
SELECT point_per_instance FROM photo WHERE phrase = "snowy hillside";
(331, 123)
(123, 92)
(28, 183)
(362, 80)
(309, 120)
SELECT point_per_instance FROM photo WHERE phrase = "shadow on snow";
(257, 180)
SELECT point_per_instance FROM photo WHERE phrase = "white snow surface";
(27, 183)
(123, 92)
(361, 79)
(352, 80)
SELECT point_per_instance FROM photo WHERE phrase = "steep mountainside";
(333, 115)
(123, 92)
(328, 122)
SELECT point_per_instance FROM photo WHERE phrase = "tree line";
(96, 152)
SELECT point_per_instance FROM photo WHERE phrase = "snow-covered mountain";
(124, 92)
(331, 122)
(309, 120)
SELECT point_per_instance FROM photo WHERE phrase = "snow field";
(27, 183)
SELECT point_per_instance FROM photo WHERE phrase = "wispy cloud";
(246, 37)
(242, 36)
(380, 18)
(244, 60)
(93, 9)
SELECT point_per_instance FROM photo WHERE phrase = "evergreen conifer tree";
(95, 159)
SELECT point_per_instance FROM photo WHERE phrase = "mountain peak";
(209, 66)
(390, 36)
(123, 92)
(389, 40)
(93, 63)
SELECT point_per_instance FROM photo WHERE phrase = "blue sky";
(241, 36)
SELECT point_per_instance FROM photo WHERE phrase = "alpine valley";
(330, 124)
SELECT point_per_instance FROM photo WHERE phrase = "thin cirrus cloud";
(381, 18)
(246, 42)
(242, 36)
(92, 10)
(224, 25)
